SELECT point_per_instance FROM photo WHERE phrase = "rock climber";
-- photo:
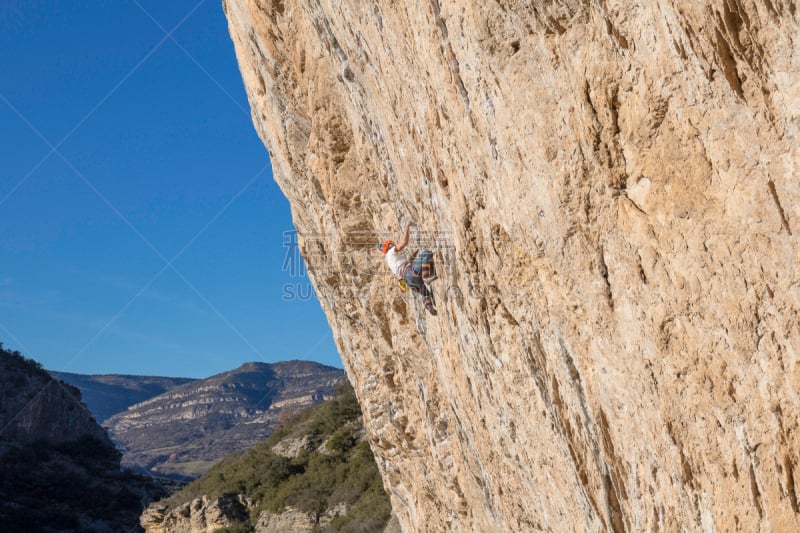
(416, 273)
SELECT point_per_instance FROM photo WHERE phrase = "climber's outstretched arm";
(404, 241)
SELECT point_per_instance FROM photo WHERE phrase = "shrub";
(341, 441)
(311, 482)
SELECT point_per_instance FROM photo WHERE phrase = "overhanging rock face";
(611, 190)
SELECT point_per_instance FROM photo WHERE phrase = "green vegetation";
(312, 481)
(58, 487)
(189, 469)
(15, 362)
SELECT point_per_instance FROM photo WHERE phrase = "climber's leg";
(423, 266)
(427, 271)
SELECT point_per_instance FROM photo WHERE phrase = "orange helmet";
(384, 247)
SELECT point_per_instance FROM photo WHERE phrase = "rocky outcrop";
(35, 407)
(611, 190)
(59, 470)
(201, 515)
(294, 521)
(184, 431)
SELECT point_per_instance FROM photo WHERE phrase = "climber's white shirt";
(396, 262)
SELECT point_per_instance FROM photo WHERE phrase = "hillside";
(185, 430)
(59, 471)
(315, 471)
(610, 189)
(108, 394)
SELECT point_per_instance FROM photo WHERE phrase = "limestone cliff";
(611, 191)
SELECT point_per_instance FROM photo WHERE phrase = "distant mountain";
(182, 432)
(59, 470)
(317, 473)
(108, 394)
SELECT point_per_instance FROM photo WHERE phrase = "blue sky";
(141, 231)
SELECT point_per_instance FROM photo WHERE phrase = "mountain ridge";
(108, 394)
(183, 431)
